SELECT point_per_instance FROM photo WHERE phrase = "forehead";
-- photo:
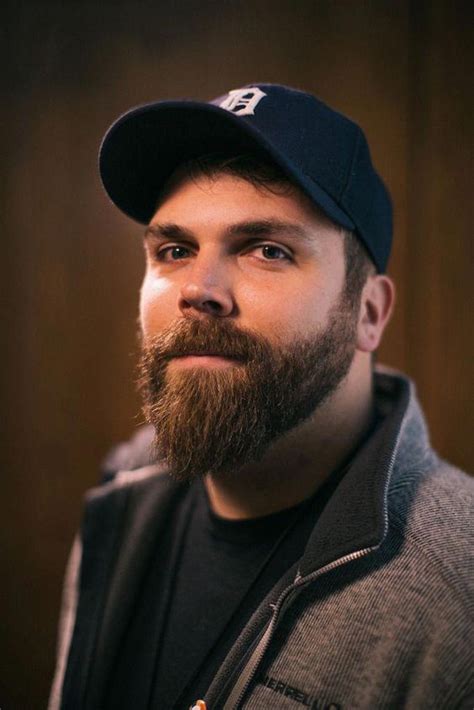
(229, 197)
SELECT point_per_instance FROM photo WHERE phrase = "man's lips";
(204, 353)
(203, 359)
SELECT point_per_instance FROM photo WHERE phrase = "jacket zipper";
(240, 687)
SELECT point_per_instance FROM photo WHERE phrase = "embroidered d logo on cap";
(242, 102)
(321, 151)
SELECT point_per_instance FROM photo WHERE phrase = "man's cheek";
(157, 303)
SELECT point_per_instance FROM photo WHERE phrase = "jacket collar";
(356, 515)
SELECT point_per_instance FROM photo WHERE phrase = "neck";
(296, 465)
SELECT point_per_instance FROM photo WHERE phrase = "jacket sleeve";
(66, 622)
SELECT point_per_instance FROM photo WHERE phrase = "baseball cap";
(320, 150)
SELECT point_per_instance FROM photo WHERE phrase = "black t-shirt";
(208, 577)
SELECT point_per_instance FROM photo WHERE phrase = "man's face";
(244, 331)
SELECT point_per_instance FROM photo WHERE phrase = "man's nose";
(206, 288)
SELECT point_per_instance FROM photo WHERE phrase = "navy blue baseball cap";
(320, 150)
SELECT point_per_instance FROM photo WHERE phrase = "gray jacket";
(377, 614)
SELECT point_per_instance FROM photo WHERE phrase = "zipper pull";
(199, 705)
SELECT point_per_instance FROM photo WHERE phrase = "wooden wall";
(73, 264)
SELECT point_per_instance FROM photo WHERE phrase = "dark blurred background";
(73, 263)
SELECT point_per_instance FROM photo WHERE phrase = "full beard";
(215, 421)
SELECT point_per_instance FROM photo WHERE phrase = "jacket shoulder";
(135, 453)
(435, 513)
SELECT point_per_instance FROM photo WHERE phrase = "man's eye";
(174, 253)
(273, 253)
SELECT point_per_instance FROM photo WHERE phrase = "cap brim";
(143, 147)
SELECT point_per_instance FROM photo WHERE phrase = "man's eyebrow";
(167, 231)
(251, 228)
(269, 227)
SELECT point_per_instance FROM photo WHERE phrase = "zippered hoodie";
(377, 614)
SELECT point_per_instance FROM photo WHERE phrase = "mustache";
(196, 336)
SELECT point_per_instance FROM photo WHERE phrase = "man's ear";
(376, 306)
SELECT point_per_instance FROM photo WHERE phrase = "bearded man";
(281, 531)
